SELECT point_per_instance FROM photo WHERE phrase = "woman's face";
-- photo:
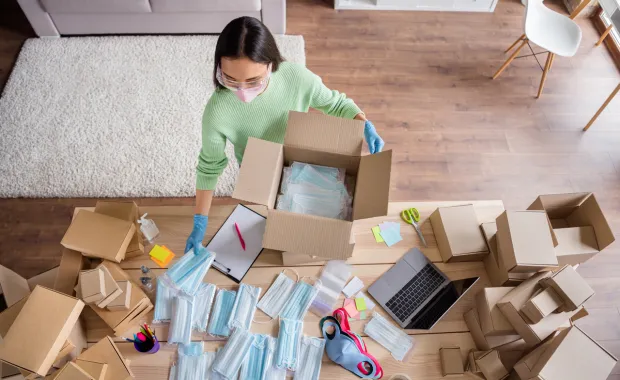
(242, 70)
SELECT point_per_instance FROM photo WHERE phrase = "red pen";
(240, 237)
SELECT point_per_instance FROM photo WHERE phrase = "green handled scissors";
(412, 216)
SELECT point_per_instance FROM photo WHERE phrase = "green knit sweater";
(291, 88)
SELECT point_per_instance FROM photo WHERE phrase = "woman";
(255, 90)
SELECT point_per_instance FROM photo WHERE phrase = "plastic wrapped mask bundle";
(244, 307)
(298, 303)
(187, 273)
(312, 353)
(222, 308)
(180, 330)
(287, 347)
(334, 174)
(333, 279)
(190, 364)
(276, 296)
(202, 307)
(163, 302)
(389, 336)
(209, 359)
(228, 360)
(259, 360)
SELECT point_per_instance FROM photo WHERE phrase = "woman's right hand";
(198, 232)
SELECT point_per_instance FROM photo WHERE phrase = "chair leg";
(545, 71)
(510, 59)
(515, 43)
(600, 110)
(604, 35)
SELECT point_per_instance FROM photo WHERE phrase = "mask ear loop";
(316, 280)
(272, 319)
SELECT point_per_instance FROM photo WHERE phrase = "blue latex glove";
(198, 233)
(375, 143)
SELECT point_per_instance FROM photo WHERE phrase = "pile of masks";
(314, 190)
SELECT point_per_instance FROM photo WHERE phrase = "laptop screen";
(440, 304)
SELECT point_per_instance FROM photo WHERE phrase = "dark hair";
(246, 37)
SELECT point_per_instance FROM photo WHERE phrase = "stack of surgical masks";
(315, 190)
(389, 336)
(192, 363)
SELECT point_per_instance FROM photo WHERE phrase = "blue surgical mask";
(259, 360)
(163, 301)
(187, 273)
(287, 347)
(276, 296)
(202, 307)
(244, 308)
(180, 330)
(298, 303)
(228, 361)
(191, 363)
(312, 353)
(222, 308)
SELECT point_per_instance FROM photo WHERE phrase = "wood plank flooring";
(423, 78)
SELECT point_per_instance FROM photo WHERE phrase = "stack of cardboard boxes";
(523, 325)
(42, 334)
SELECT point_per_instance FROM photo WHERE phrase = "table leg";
(604, 35)
(600, 110)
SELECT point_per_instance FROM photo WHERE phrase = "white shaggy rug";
(110, 116)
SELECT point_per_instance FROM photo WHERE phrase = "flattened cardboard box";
(526, 364)
(458, 234)
(105, 351)
(112, 289)
(498, 275)
(579, 225)
(571, 287)
(492, 321)
(483, 342)
(100, 236)
(541, 305)
(49, 327)
(573, 355)
(451, 361)
(525, 241)
(511, 304)
(124, 211)
(322, 140)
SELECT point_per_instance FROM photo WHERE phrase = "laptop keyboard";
(415, 292)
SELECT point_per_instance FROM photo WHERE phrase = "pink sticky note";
(350, 308)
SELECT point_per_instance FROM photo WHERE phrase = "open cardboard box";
(579, 226)
(492, 321)
(493, 265)
(321, 140)
(573, 355)
(499, 342)
(457, 233)
(570, 287)
(125, 210)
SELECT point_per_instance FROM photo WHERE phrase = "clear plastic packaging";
(260, 358)
(187, 273)
(191, 362)
(244, 307)
(333, 279)
(202, 308)
(180, 330)
(222, 308)
(228, 361)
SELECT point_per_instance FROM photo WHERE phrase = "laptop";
(417, 294)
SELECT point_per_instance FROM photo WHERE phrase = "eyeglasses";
(234, 85)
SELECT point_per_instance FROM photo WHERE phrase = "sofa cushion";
(96, 6)
(205, 5)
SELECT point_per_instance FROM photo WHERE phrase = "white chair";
(611, 9)
(556, 33)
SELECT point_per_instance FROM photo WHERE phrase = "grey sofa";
(52, 18)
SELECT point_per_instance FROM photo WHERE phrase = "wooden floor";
(423, 78)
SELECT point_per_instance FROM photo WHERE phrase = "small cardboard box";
(491, 366)
(498, 275)
(47, 318)
(471, 361)
(112, 289)
(322, 140)
(458, 234)
(100, 236)
(123, 300)
(511, 304)
(451, 361)
(71, 264)
(573, 355)
(105, 351)
(92, 285)
(525, 241)
(125, 211)
(541, 305)
(485, 342)
(573, 290)
(580, 228)
(492, 321)
(526, 364)
(95, 369)
(72, 371)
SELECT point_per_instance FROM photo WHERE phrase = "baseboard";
(609, 42)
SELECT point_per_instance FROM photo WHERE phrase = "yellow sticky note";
(161, 255)
(377, 233)
(360, 304)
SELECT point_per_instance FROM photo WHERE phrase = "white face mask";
(389, 336)
(228, 361)
(276, 296)
(312, 353)
(244, 307)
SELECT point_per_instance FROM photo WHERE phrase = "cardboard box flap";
(13, 286)
(105, 351)
(590, 214)
(373, 186)
(71, 263)
(558, 206)
(324, 133)
(308, 234)
(260, 172)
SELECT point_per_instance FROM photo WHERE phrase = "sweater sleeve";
(328, 101)
(212, 159)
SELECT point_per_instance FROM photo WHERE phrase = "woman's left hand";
(374, 141)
